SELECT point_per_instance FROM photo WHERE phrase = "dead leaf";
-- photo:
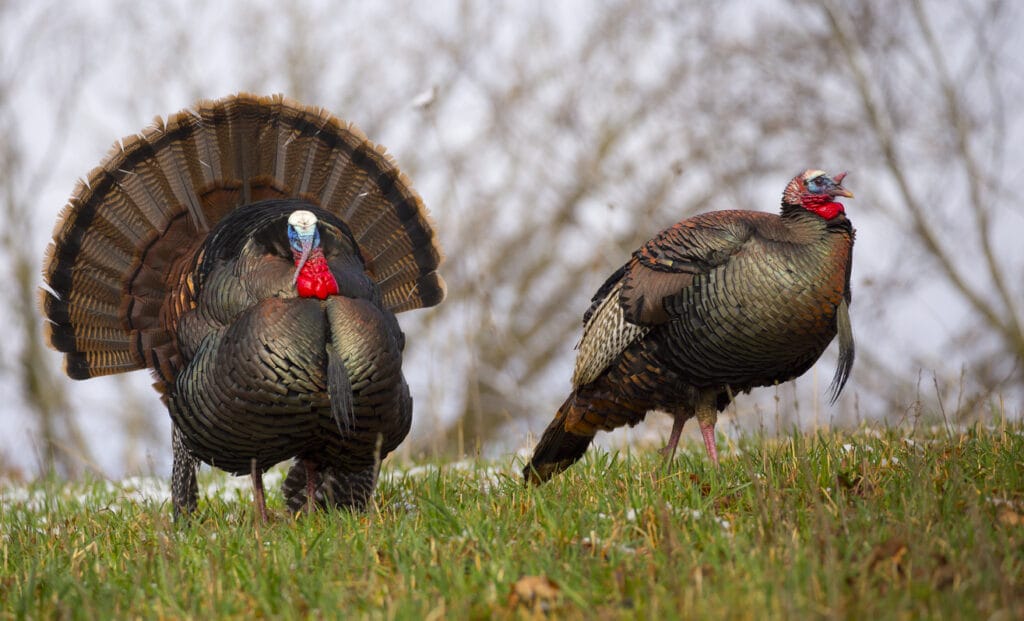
(705, 488)
(538, 593)
(1009, 517)
(889, 553)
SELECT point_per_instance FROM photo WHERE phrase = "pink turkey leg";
(679, 419)
(707, 420)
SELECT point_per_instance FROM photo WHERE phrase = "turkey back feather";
(117, 271)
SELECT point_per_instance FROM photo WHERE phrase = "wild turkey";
(712, 306)
(251, 252)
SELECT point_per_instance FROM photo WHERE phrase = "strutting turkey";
(712, 306)
(252, 252)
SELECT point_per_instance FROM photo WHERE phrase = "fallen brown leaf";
(890, 552)
(538, 593)
(1009, 517)
(705, 488)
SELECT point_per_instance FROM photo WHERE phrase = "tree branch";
(881, 124)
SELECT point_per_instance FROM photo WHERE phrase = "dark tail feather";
(557, 450)
(846, 351)
(339, 387)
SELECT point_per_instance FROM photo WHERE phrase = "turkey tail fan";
(116, 270)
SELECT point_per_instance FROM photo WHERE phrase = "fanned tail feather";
(116, 272)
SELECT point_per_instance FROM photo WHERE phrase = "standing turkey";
(712, 306)
(251, 252)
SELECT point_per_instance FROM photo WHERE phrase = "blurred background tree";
(549, 141)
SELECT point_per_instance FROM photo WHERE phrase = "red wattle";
(316, 280)
(829, 210)
(821, 205)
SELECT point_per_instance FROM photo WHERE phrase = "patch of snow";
(849, 448)
(146, 490)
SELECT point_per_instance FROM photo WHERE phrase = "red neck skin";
(823, 205)
(315, 278)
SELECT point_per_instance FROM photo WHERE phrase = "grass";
(857, 524)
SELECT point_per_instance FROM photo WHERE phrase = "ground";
(869, 523)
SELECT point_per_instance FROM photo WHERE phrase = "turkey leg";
(707, 416)
(183, 477)
(310, 466)
(680, 416)
(258, 495)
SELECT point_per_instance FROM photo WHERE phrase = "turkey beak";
(839, 190)
(307, 247)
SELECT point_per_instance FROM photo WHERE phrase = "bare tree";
(549, 142)
(953, 84)
(742, 98)
(63, 448)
